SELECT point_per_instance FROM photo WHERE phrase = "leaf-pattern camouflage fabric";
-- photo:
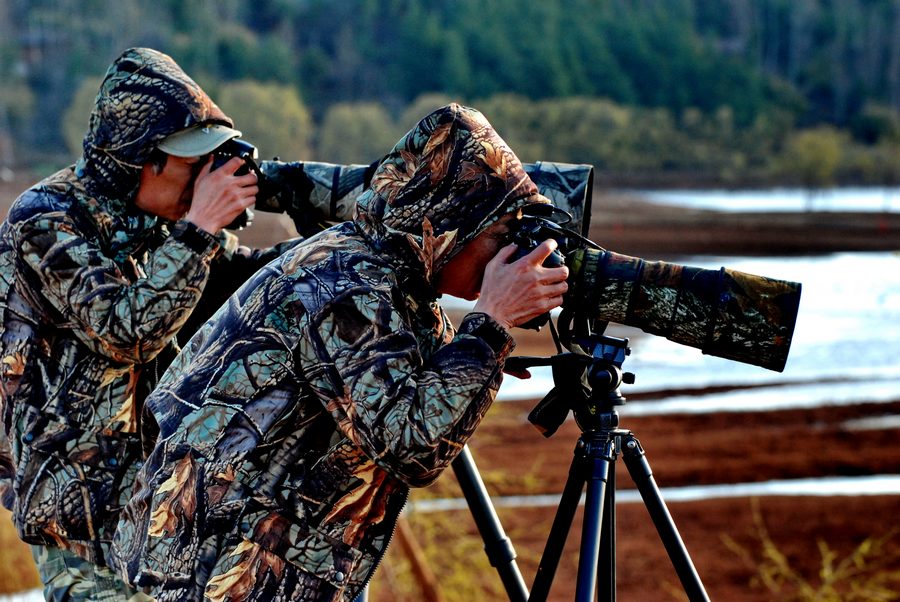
(92, 291)
(446, 181)
(294, 422)
(84, 311)
(323, 194)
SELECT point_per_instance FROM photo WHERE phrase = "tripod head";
(586, 381)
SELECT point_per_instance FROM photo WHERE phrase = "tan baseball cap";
(197, 140)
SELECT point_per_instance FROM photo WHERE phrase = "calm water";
(783, 199)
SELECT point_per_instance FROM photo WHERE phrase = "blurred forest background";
(652, 92)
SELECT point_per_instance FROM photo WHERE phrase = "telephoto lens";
(725, 313)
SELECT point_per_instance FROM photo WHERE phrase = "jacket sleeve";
(125, 319)
(315, 195)
(410, 415)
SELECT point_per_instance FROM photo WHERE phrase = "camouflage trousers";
(70, 578)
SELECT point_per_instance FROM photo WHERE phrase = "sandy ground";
(729, 539)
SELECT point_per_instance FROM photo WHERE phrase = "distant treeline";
(730, 91)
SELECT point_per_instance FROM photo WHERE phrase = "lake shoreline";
(691, 450)
(630, 224)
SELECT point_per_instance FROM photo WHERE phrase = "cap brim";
(198, 140)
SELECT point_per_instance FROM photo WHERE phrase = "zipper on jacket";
(384, 549)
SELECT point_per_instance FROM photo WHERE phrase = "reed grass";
(868, 573)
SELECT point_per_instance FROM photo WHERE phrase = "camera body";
(540, 222)
(534, 227)
(531, 231)
(236, 148)
(246, 151)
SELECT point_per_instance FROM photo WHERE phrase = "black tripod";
(587, 385)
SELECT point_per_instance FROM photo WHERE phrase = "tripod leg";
(497, 545)
(601, 459)
(639, 469)
(606, 585)
(562, 522)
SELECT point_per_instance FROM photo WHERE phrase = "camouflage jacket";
(294, 422)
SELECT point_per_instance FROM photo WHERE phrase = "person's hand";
(513, 293)
(220, 196)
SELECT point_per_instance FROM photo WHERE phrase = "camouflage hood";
(444, 182)
(145, 96)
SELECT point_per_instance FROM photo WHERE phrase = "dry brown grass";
(868, 573)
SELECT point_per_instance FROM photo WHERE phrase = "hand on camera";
(513, 293)
(220, 195)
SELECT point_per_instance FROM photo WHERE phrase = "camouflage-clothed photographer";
(101, 264)
(295, 421)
